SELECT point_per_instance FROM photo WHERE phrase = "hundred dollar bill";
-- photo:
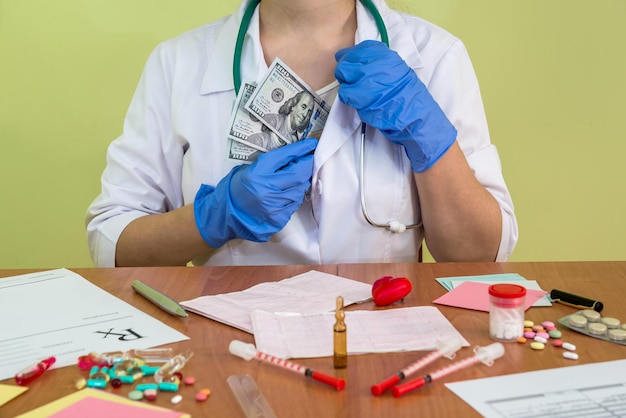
(242, 125)
(241, 152)
(287, 106)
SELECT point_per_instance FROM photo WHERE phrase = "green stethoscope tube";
(245, 23)
(393, 226)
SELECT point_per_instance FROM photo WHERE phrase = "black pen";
(575, 300)
(159, 299)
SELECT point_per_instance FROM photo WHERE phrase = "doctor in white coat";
(171, 196)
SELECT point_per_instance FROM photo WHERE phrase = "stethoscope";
(393, 226)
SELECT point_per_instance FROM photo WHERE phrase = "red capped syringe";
(485, 355)
(249, 351)
(446, 348)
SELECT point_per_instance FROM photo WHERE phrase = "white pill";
(570, 355)
(176, 399)
(569, 346)
(540, 339)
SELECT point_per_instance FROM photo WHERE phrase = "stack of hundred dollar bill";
(257, 106)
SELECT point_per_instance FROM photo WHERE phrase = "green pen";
(159, 299)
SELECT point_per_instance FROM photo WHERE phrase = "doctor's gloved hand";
(255, 201)
(388, 95)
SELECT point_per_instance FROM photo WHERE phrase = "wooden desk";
(292, 395)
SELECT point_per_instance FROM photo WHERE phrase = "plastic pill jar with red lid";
(506, 311)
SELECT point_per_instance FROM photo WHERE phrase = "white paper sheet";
(382, 331)
(59, 313)
(310, 292)
(588, 390)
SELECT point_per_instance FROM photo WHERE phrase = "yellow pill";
(80, 382)
(536, 345)
(528, 324)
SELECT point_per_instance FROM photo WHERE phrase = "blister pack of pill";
(591, 323)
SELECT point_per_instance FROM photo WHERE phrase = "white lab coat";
(175, 139)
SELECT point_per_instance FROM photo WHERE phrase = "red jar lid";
(507, 290)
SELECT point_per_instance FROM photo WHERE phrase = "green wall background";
(553, 78)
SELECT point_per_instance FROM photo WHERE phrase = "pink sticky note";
(474, 295)
(103, 408)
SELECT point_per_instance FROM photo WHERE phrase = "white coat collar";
(219, 72)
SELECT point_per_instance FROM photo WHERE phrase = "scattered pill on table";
(555, 333)
(135, 395)
(201, 396)
(521, 340)
(536, 345)
(569, 346)
(145, 386)
(150, 394)
(168, 387)
(189, 380)
(80, 382)
(556, 343)
(176, 399)
(570, 355)
(540, 339)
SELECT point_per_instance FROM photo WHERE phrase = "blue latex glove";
(255, 201)
(389, 96)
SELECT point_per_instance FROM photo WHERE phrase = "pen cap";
(489, 353)
(450, 346)
(241, 349)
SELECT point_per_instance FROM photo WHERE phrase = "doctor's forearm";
(462, 220)
(170, 238)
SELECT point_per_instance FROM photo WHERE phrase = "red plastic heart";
(388, 290)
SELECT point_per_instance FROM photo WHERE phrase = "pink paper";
(103, 408)
(474, 295)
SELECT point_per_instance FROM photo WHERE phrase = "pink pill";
(537, 328)
(543, 335)
(556, 343)
(202, 396)
(547, 324)
(529, 334)
(189, 380)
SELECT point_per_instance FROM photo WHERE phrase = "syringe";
(485, 355)
(249, 351)
(446, 348)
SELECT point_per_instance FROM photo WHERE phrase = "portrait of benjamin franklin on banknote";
(291, 121)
